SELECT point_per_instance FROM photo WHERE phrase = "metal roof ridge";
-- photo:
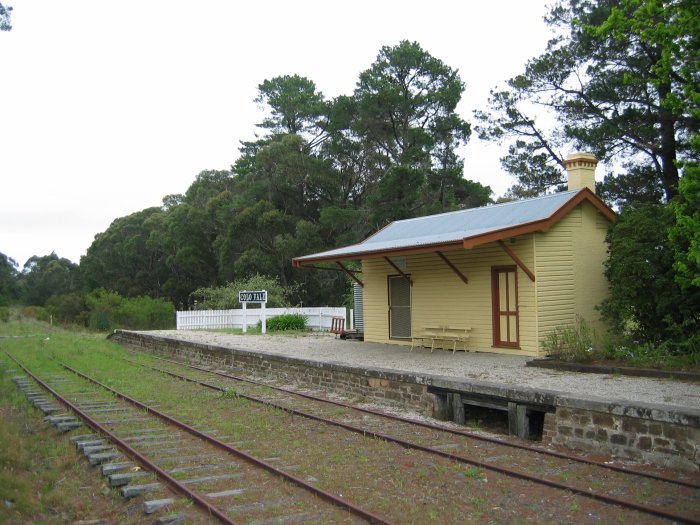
(487, 206)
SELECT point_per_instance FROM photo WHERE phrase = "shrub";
(145, 313)
(4, 314)
(575, 342)
(66, 308)
(226, 297)
(287, 322)
(35, 312)
(108, 310)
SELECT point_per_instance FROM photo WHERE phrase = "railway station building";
(497, 278)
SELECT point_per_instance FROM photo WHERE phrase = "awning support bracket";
(398, 270)
(453, 267)
(350, 273)
(517, 260)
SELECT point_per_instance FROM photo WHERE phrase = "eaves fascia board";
(407, 250)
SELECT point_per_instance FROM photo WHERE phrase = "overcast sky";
(106, 107)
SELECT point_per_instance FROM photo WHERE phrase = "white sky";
(106, 106)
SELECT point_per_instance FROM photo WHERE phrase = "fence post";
(263, 318)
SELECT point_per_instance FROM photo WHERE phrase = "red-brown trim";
(517, 260)
(312, 267)
(495, 310)
(448, 246)
(454, 268)
(350, 273)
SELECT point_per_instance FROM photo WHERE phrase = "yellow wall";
(567, 262)
(439, 297)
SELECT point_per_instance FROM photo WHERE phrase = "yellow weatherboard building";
(494, 279)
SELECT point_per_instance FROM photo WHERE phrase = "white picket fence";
(316, 318)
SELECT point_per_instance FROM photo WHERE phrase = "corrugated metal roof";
(453, 226)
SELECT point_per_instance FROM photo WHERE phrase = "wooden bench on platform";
(338, 325)
(440, 335)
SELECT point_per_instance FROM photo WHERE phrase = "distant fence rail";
(319, 319)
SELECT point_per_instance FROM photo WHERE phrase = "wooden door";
(504, 295)
(399, 307)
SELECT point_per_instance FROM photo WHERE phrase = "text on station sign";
(253, 297)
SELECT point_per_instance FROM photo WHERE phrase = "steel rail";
(552, 453)
(327, 496)
(461, 459)
(131, 452)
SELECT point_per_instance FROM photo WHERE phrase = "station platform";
(469, 367)
(654, 420)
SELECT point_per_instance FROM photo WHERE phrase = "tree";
(43, 277)
(645, 300)
(5, 11)
(296, 107)
(321, 174)
(8, 280)
(607, 88)
(685, 233)
(124, 259)
(405, 117)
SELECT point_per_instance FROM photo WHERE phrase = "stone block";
(564, 430)
(618, 439)
(563, 413)
(644, 443)
(661, 442)
(634, 426)
(602, 420)
(677, 433)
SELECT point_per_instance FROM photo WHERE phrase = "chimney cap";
(581, 156)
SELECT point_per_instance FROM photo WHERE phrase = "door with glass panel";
(504, 294)
(399, 307)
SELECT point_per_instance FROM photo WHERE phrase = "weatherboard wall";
(569, 261)
(440, 297)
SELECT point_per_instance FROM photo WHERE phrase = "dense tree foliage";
(49, 275)
(322, 173)
(685, 233)
(9, 292)
(611, 79)
(123, 258)
(645, 299)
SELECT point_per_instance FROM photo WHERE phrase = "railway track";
(563, 471)
(145, 452)
(393, 467)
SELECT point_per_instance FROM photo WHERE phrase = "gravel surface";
(483, 367)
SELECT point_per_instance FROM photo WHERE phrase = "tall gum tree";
(608, 89)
